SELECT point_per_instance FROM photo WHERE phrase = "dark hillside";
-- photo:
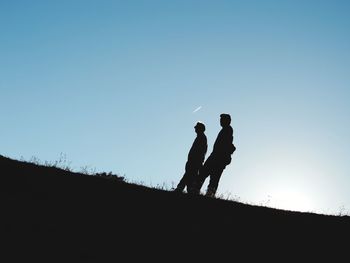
(50, 214)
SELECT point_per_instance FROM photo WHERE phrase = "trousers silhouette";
(214, 168)
(187, 180)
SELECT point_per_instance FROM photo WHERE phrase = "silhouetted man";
(195, 159)
(218, 159)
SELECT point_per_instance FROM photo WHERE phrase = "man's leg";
(181, 185)
(194, 173)
(214, 181)
(187, 179)
(204, 172)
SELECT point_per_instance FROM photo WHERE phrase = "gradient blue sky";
(114, 85)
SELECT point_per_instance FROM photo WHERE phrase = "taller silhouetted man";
(195, 159)
(218, 159)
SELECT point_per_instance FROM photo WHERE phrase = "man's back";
(223, 142)
(198, 149)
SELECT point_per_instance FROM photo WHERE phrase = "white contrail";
(197, 109)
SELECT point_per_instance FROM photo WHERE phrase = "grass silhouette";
(53, 214)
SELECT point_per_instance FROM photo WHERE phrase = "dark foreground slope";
(49, 214)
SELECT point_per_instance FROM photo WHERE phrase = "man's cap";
(200, 125)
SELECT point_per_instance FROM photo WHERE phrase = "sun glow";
(292, 199)
(288, 180)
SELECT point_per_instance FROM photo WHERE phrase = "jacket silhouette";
(219, 158)
(195, 159)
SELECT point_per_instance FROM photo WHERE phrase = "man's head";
(225, 119)
(199, 127)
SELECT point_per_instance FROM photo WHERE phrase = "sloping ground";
(52, 215)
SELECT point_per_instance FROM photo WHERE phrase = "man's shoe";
(210, 192)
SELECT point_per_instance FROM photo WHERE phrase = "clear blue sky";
(114, 85)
